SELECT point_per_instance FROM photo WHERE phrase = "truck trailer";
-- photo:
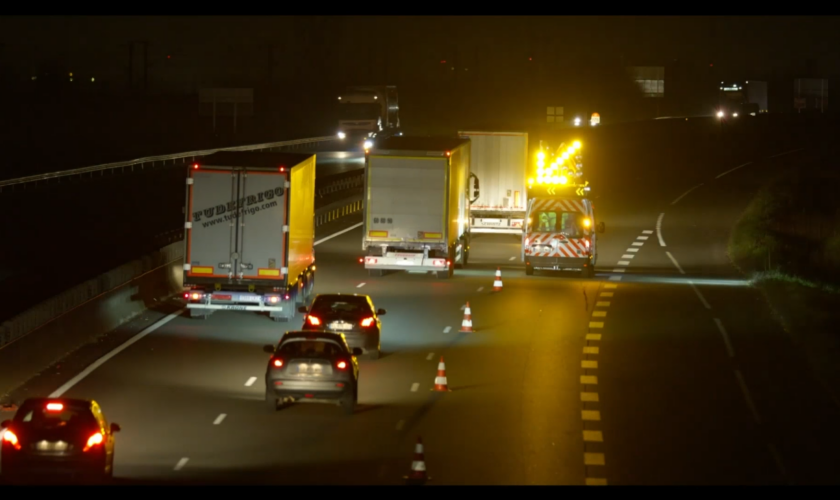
(500, 161)
(250, 233)
(417, 206)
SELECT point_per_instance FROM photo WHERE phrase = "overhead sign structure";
(226, 102)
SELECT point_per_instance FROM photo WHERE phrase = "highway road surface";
(666, 368)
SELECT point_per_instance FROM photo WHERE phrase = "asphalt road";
(60, 235)
(664, 369)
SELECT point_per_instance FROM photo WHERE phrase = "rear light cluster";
(440, 262)
(312, 320)
(10, 438)
(93, 441)
(367, 322)
(341, 365)
(371, 260)
(277, 363)
(55, 406)
(193, 296)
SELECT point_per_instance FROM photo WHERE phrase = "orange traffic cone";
(466, 324)
(497, 285)
(417, 476)
(440, 381)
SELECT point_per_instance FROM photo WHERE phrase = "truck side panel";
(302, 219)
(262, 241)
(459, 172)
(405, 199)
(210, 240)
(499, 160)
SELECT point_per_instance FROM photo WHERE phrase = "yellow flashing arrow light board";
(579, 190)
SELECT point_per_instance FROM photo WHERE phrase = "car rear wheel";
(270, 400)
(348, 402)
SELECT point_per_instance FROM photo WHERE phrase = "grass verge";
(796, 267)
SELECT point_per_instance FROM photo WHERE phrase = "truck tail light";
(274, 299)
(371, 260)
(439, 262)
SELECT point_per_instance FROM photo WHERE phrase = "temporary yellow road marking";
(593, 436)
(589, 380)
(596, 481)
(593, 336)
(586, 363)
(590, 350)
(602, 303)
(599, 314)
(593, 458)
(596, 324)
(589, 397)
(591, 415)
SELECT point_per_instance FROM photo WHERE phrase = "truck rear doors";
(236, 226)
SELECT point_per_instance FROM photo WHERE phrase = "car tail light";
(12, 439)
(94, 440)
(313, 321)
(341, 365)
(367, 322)
(55, 406)
(277, 363)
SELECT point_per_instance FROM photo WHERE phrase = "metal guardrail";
(12, 183)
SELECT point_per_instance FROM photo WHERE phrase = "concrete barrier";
(43, 335)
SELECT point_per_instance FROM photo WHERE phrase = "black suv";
(351, 314)
(312, 367)
(57, 437)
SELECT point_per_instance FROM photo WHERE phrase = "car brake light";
(341, 365)
(313, 320)
(92, 441)
(11, 438)
(278, 363)
(55, 406)
(367, 322)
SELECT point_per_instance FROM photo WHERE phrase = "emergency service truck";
(560, 231)
(500, 160)
(417, 206)
(250, 233)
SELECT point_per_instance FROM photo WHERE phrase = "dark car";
(312, 367)
(58, 437)
(351, 314)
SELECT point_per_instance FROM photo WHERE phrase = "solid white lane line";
(747, 396)
(415, 386)
(699, 295)
(648, 231)
(250, 381)
(725, 338)
(512, 258)
(643, 238)
(181, 463)
(101, 361)
(733, 169)
(400, 425)
(632, 250)
(219, 419)
(624, 263)
(659, 229)
(430, 356)
(618, 270)
(104, 359)
(360, 285)
(677, 264)
(480, 288)
(326, 238)
(685, 194)
(627, 256)
(447, 329)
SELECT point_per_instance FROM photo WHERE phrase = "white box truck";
(417, 206)
(499, 161)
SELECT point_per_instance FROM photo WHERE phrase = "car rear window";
(69, 418)
(341, 304)
(317, 348)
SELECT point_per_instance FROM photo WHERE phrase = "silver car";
(312, 367)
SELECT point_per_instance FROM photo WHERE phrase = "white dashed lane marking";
(447, 329)
(624, 262)
(360, 285)
(512, 258)
(181, 463)
(647, 231)
(634, 250)
(627, 256)
(637, 243)
(643, 238)
(480, 288)
(415, 386)
(700, 295)
(685, 194)
(250, 381)
(430, 356)
(219, 419)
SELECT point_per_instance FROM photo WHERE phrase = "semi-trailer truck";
(500, 161)
(417, 205)
(364, 111)
(250, 233)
